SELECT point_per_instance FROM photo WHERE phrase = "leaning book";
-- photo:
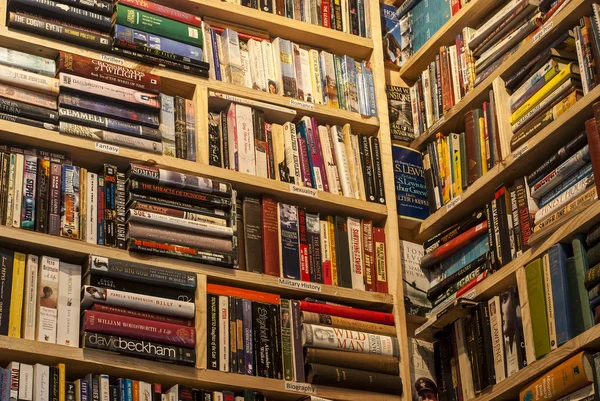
(400, 113)
(409, 177)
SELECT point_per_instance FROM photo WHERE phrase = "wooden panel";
(200, 322)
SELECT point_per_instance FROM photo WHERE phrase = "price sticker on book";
(300, 387)
(450, 205)
(545, 29)
(302, 285)
(521, 151)
(112, 59)
(105, 147)
(305, 191)
(302, 105)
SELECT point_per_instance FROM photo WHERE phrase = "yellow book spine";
(16, 298)
(482, 146)
(456, 160)
(540, 95)
(61, 382)
(331, 226)
(442, 170)
(564, 104)
(448, 166)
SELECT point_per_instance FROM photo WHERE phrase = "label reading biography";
(112, 59)
(300, 387)
(455, 201)
(521, 151)
(305, 191)
(303, 285)
(303, 105)
(545, 29)
(104, 147)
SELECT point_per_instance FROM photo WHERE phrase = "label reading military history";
(104, 147)
(545, 29)
(521, 151)
(112, 59)
(303, 285)
(303, 105)
(300, 387)
(305, 191)
(455, 201)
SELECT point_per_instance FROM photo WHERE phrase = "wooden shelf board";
(509, 388)
(185, 83)
(471, 15)
(76, 251)
(453, 120)
(458, 309)
(528, 157)
(83, 152)
(80, 362)
(505, 277)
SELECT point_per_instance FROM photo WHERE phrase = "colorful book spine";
(69, 211)
(29, 192)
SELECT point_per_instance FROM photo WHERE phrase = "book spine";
(69, 283)
(305, 272)
(28, 200)
(290, 252)
(84, 17)
(297, 350)
(232, 335)
(28, 97)
(54, 218)
(43, 192)
(69, 212)
(30, 298)
(361, 342)
(110, 124)
(190, 129)
(213, 332)
(314, 247)
(164, 11)
(179, 195)
(380, 260)
(28, 111)
(223, 333)
(286, 341)
(47, 304)
(356, 253)
(262, 357)
(181, 252)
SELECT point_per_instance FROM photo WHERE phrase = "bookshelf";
(85, 152)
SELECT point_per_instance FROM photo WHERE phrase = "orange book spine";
(242, 293)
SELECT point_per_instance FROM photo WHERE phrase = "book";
(537, 302)
(348, 340)
(411, 191)
(353, 379)
(69, 282)
(30, 298)
(16, 295)
(289, 251)
(47, 301)
(346, 312)
(415, 279)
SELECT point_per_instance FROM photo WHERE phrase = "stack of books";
(138, 310)
(249, 58)
(28, 89)
(159, 35)
(287, 241)
(306, 154)
(36, 293)
(181, 215)
(88, 24)
(41, 380)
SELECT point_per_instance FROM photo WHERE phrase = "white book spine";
(464, 363)
(356, 253)
(325, 245)
(47, 299)
(276, 46)
(69, 285)
(414, 109)
(30, 298)
(92, 205)
(582, 69)
(434, 92)
(351, 161)
(345, 16)
(497, 338)
(337, 182)
(41, 383)
(208, 50)
(247, 80)
(571, 193)
(105, 389)
(145, 391)
(14, 368)
(257, 65)
(342, 161)
(26, 382)
(454, 71)
(223, 333)
(330, 167)
(549, 302)
(491, 23)
(18, 191)
(307, 81)
(232, 137)
(245, 135)
(316, 78)
(145, 217)
(320, 337)
(359, 168)
(269, 66)
(427, 96)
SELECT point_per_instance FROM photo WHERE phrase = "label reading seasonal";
(104, 147)
(300, 387)
(453, 203)
(304, 105)
(545, 29)
(303, 285)
(295, 189)
(112, 59)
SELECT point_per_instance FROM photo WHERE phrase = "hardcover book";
(411, 191)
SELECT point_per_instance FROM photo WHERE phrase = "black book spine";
(266, 5)
(140, 348)
(437, 365)
(429, 183)
(504, 229)
(342, 249)
(557, 158)
(521, 352)
(233, 368)
(225, 140)
(121, 211)
(70, 391)
(114, 393)
(446, 390)
(98, 280)
(457, 392)
(514, 216)
(132, 198)
(6, 278)
(201, 71)
(143, 48)
(488, 350)
(214, 140)
(253, 240)
(270, 155)
(377, 170)
(95, 385)
(57, 30)
(54, 384)
(440, 239)
(479, 346)
(179, 195)
(4, 186)
(16, 108)
(156, 392)
(43, 192)
(297, 342)
(492, 229)
(276, 344)
(260, 316)
(472, 351)
(212, 353)
(178, 252)
(438, 289)
(366, 161)
(110, 206)
(84, 18)
(239, 325)
(100, 6)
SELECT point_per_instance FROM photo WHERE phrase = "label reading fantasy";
(411, 191)
(104, 147)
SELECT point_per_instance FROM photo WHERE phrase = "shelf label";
(302, 105)
(436, 125)
(305, 191)
(521, 151)
(112, 59)
(104, 147)
(300, 387)
(450, 205)
(545, 29)
(471, 294)
(303, 285)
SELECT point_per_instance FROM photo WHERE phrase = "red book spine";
(347, 312)
(453, 245)
(242, 36)
(270, 233)
(472, 283)
(370, 278)
(141, 329)
(380, 260)
(593, 136)
(304, 256)
(115, 310)
(164, 11)
(326, 13)
(455, 7)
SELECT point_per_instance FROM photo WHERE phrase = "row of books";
(282, 67)
(286, 241)
(260, 334)
(329, 159)
(350, 16)
(44, 383)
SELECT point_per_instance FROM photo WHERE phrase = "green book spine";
(463, 161)
(158, 25)
(339, 79)
(575, 306)
(577, 289)
(534, 273)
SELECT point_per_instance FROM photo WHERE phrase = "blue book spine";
(215, 47)
(560, 293)
(290, 252)
(4, 384)
(566, 184)
(248, 343)
(100, 239)
(156, 43)
(121, 384)
(128, 390)
(409, 176)
(84, 390)
(463, 257)
(595, 302)
(370, 88)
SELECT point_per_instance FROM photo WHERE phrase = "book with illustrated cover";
(399, 110)
(411, 191)
(414, 279)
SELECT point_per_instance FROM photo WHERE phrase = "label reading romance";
(545, 29)
(300, 387)
(112, 59)
(305, 191)
(450, 205)
(104, 147)
(521, 151)
(303, 105)
(303, 285)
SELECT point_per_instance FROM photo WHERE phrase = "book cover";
(317, 336)
(69, 283)
(537, 304)
(400, 113)
(289, 250)
(415, 279)
(411, 191)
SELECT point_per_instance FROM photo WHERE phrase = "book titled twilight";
(411, 192)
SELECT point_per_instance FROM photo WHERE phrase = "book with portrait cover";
(400, 113)
(411, 191)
